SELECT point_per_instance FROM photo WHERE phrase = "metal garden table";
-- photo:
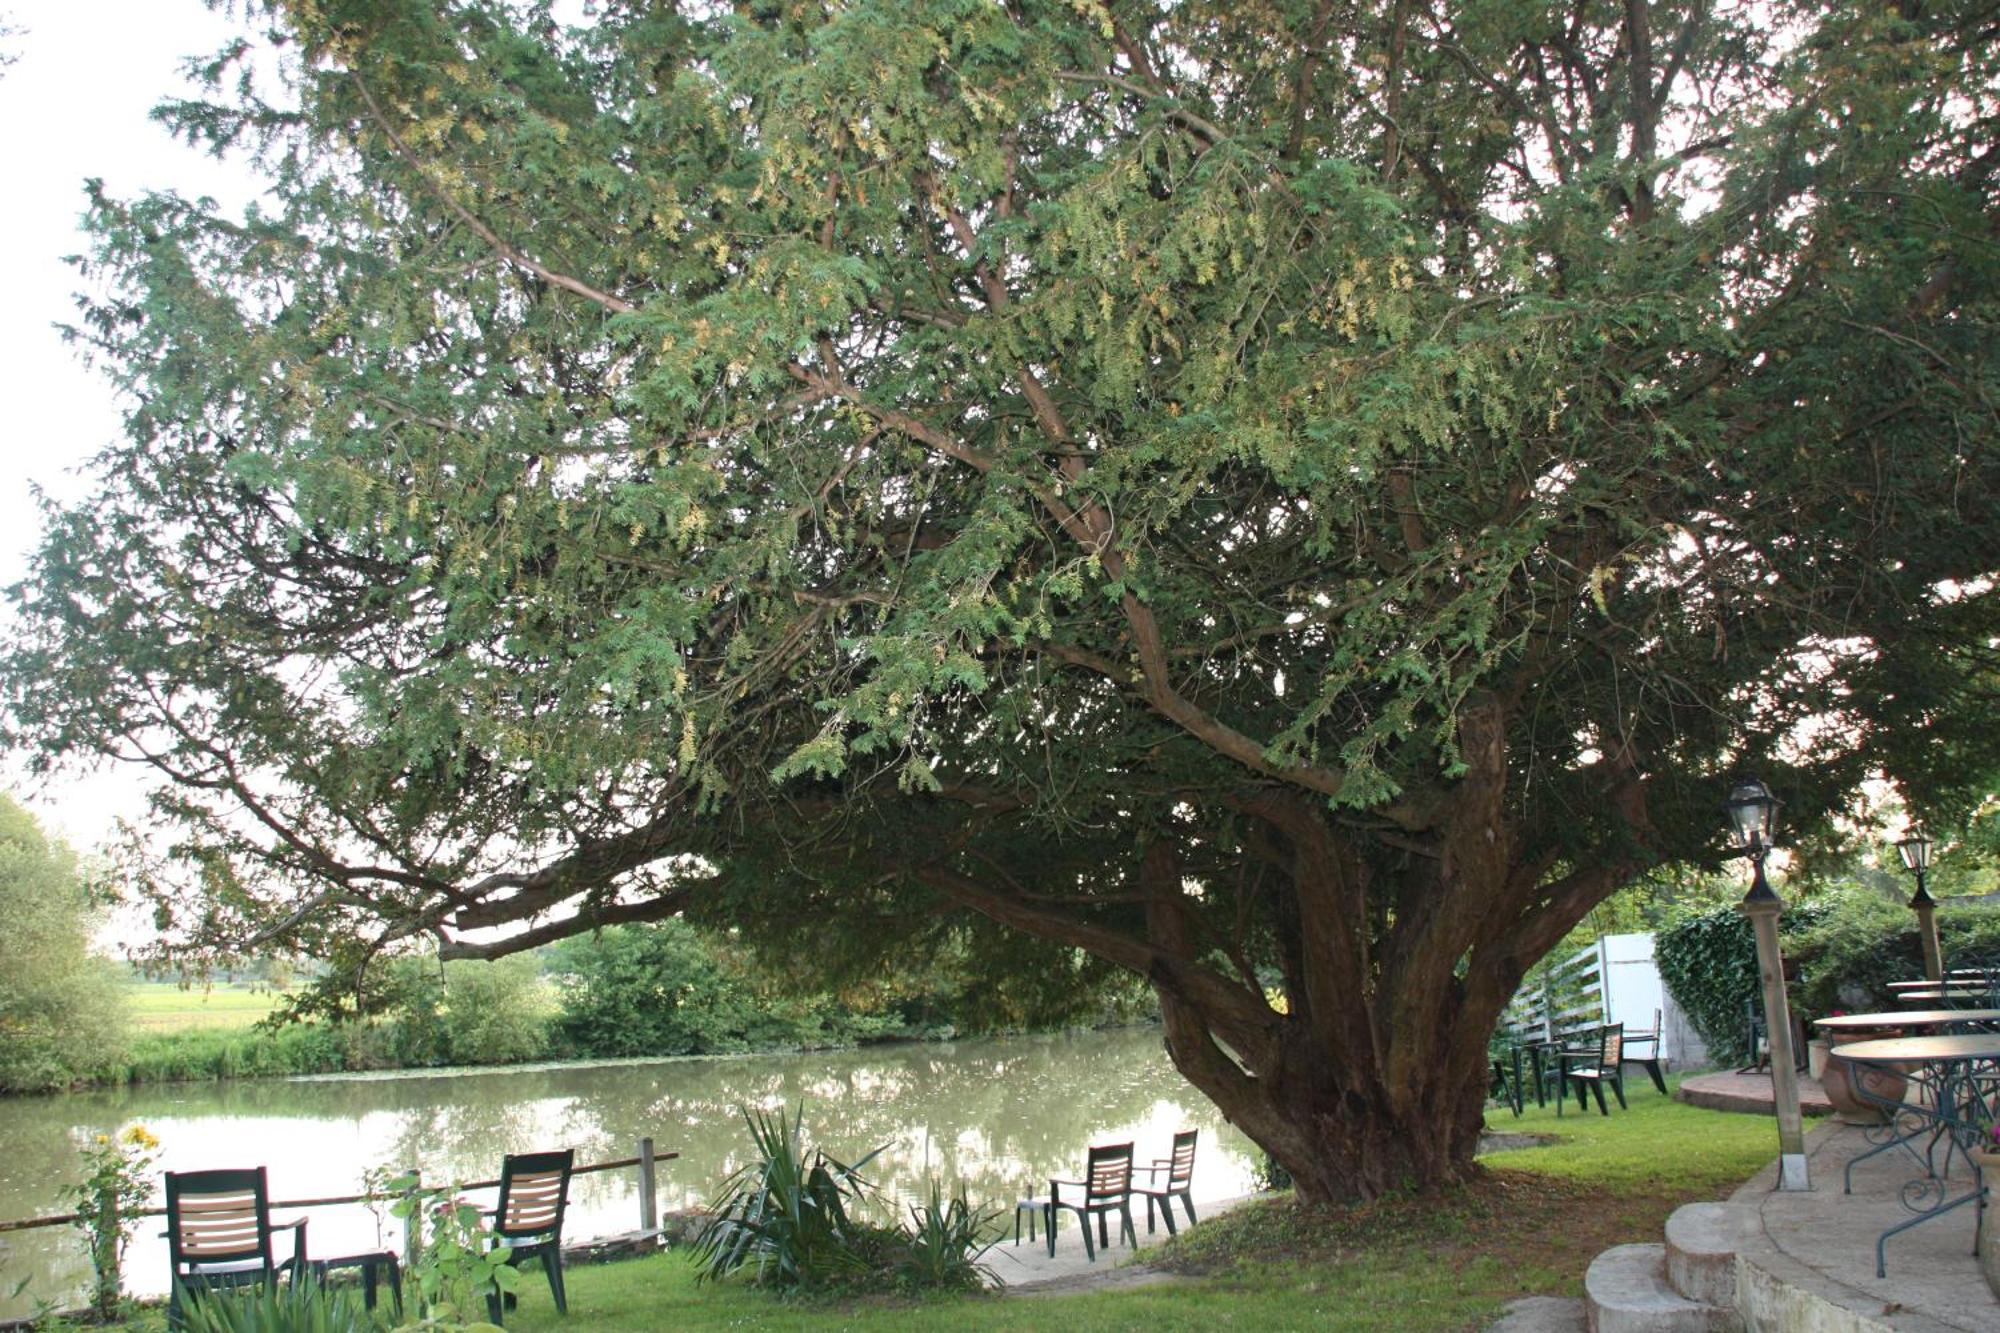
(1838, 1079)
(1953, 1085)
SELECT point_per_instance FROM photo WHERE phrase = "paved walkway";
(1821, 1242)
(1028, 1269)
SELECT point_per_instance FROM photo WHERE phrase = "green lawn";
(1530, 1227)
(163, 1006)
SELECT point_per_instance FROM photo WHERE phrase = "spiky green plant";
(296, 1307)
(786, 1214)
(946, 1240)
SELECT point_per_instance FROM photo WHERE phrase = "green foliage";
(667, 990)
(117, 1184)
(944, 1242)
(302, 1306)
(786, 1214)
(457, 1265)
(209, 1053)
(1866, 940)
(1709, 962)
(463, 1013)
(60, 1010)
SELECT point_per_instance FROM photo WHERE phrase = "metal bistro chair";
(1179, 1169)
(1107, 1187)
(534, 1192)
(219, 1232)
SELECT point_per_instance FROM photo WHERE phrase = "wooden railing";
(649, 1208)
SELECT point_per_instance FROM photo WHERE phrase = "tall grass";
(193, 1054)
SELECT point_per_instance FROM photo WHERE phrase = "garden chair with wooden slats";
(534, 1193)
(1593, 1067)
(219, 1232)
(1107, 1187)
(1649, 1060)
(1179, 1171)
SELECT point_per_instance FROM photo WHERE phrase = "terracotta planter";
(1988, 1162)
(1849, 1107)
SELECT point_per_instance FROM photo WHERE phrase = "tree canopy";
(1294, 501)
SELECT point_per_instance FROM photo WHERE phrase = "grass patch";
(1529, 1225)
(163, 1006)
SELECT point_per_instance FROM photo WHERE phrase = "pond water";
(1000, 1115)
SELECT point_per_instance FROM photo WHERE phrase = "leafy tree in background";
(1293, 502)
(61, 1013)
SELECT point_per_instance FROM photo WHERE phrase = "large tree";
(1295, 501)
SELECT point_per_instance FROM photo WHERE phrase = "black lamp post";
(1753, 812)
(1916, 849)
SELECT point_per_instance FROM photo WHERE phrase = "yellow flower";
(104, 1138)
(141, 1136)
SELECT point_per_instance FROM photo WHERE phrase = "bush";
(945, 1242)
(465, 1013)
(789, 1217)
(672, 989)
(1709, 963)
(785, 1214)
(1842, 948)
(1865, 941)
(60, 1010)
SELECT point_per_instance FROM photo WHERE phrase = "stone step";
(1702, 1241)
(1543, 1314)
(1626, 1291)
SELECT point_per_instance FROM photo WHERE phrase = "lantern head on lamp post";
(1916, 851)
(1916, 848)
(1753, 812)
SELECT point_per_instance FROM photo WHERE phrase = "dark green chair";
(219, 1233)
(1591, 1067)
(1107, 1187)
(534, 1193)
(1179, 1184)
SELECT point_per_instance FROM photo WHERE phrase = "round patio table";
(1838, 1078)
(1953, 1086)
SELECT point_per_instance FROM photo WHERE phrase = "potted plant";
(1986, 1156)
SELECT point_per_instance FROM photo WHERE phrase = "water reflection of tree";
(1000, 1116)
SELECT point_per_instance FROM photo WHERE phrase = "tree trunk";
(1340, 1134)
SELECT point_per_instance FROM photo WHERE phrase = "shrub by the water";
(789, 1217)
(60, 1011)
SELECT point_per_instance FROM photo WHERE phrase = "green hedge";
(1842, 948)
(1709, 964)
(1865, 941)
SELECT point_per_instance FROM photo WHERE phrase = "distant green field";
(162, 1006)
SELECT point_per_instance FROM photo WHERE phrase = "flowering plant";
(108, 1204)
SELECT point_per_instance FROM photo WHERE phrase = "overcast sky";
(74, 105)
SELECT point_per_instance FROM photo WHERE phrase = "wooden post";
(413, 1225)
(1763, 909)
(649, 1204)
